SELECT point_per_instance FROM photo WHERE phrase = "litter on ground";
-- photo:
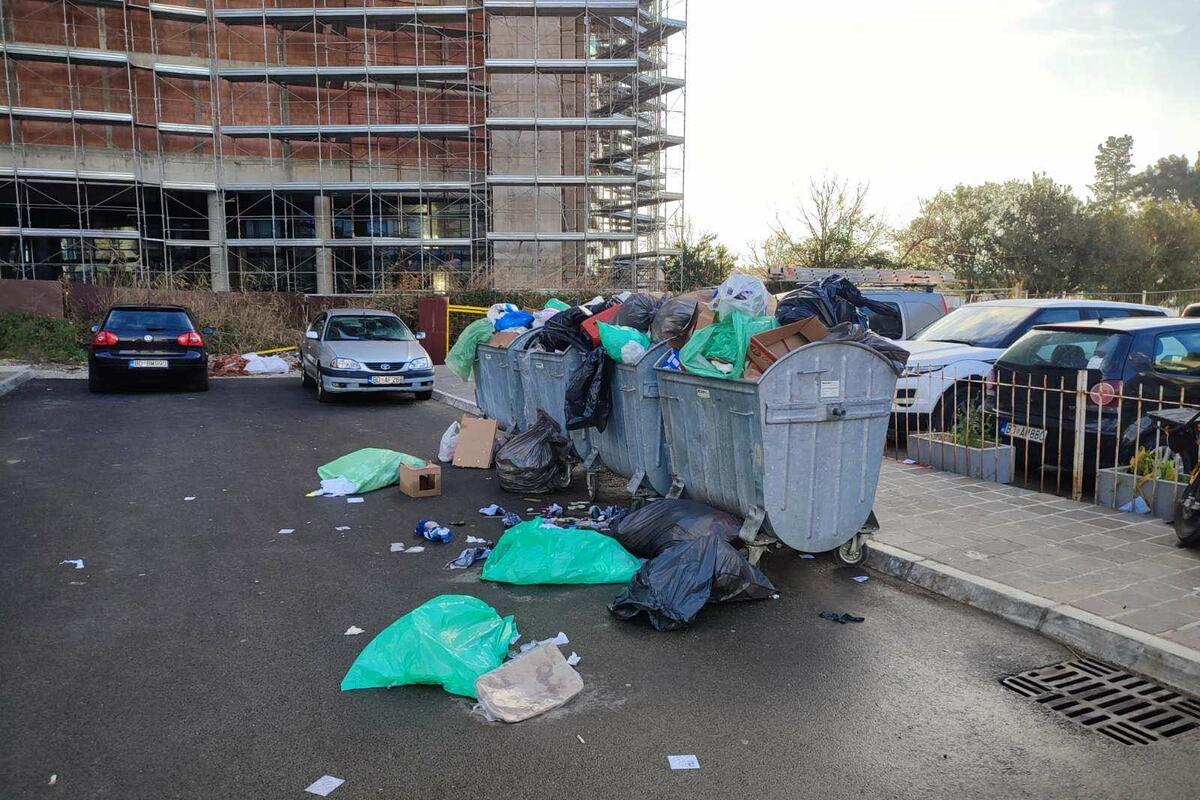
(491, 511)
(477, 540)
(468, 557)
(574, 658)
(189, 498)
(807, 555)
(862, 578)
(75, 562)
(323, 785)
(354, 630)
(431, 531)
(533, 683)
(354, 499)
(342, 528)
(287, 530)
(534, 553)
(683, 762)
(415, 550)
(555, 640)
(397, 547)
(841, 618)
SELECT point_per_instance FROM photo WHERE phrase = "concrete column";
(217, 266)
(323, 217)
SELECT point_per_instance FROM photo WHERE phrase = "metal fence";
(1070, 435)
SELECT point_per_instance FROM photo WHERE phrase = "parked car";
(1192, 310)
(362, 350)
(1130, 362)
(960, 348)
(914, 311)
(140, 344)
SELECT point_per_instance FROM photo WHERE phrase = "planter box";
(986, 463)
(1115, 486)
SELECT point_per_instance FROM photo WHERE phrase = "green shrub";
(38, 339)
(973, 428)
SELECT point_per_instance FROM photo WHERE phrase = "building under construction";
(337, 146)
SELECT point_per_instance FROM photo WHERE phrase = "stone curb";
(1161, 659)
(10, 380)
(455, 401)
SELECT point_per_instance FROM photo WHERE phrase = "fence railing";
(1069, 433)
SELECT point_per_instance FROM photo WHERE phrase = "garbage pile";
(272, 363)
(502, 325)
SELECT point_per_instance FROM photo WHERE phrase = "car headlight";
(419, 363)
(920, 369)
(346, 363)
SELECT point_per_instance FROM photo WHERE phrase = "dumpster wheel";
(853, 552)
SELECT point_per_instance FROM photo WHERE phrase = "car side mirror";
(208, 330)
(311, 335)
(419, 335)
(95, 328)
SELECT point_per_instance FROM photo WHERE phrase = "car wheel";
(96, 384)
(305, 379)
(1187, 519)
(423, 395)
(322, 395)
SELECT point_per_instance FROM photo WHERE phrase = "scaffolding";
(302, 146)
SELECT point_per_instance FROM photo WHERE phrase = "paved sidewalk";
(453, 390)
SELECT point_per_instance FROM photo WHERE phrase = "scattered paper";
(580, 738)
(189, 498)
(354, 500)
(476, 540)
(335, 487)
(313, 493)
(807, 555)
(560, 639)
(76, 562)
(683, 762)
(353, 630)
(323, 785)
(53, 779)
(342, 528)
(573, 659)
(415, 550)
(397, 547)
(862, 578)
(286, 531)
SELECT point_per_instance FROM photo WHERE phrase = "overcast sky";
(914, 96)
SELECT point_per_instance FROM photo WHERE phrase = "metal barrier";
(632, 444)
(499, 392)
(798, 452)
(544, 379)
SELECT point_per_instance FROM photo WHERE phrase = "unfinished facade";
(319, 146)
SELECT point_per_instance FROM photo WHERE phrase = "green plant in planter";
(973, 428)
(1147, 464)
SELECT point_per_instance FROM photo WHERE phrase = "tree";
(834, 230)
(1171, 178)
(703, 261)
(1114, 170)
(1043, 237)
(954, 232)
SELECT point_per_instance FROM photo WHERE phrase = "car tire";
(1187, 522)
(322, 395)
(306, 380)
(96, 384)
(423, 395)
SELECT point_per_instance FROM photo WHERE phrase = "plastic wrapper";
(833, 300)
(449, 641)
(532, 683)
(554, 304)
(896, 355)
(369, 469)
(726, 341)
(514, 319)
(622, 343)
(739, 292)
(656, 526)
(535, 461)
(449, 443)
(588, 400)
(498, 310)
(673, 587)
(535, 552)
(561, 332)
(461, 358)
(638, 311)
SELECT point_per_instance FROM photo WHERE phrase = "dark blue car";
(143, 344)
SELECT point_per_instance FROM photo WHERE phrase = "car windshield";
(367, 329)
(977, 326)
(1069, 350)
(127, 320)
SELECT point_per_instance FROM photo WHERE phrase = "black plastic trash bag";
(673, 319)
(561, 332)
(535, 461)
(832, 300)
(896, 355)
(638, 311)
(657, 525)
(589, 394)
(671, 588)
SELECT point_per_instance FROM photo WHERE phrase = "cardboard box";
(504, 338)
(476, 441)
(423, 481)
(767, 347)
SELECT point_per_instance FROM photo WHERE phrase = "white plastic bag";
(449, 443)
(741, 292)
(259, 365)
(498, 310)
(532, 683)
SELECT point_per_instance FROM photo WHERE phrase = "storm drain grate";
(1119, 704)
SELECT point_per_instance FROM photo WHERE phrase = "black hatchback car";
(147, 344)
(1133, 366)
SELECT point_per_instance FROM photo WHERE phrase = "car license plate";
(387, 379)
(1035, 435)
(160, 363)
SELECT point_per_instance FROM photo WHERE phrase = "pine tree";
(1114, 170)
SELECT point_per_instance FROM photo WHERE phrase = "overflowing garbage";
(539, 552)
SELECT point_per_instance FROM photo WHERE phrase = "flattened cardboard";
(476, 439)
(503, 338)
(423, 481)
(768, 347)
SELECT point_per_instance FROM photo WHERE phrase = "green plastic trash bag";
(725, 340)
(531, 552)
(461, 358)
(623, 344)
(556, 304)
(448, 641)
(368, 469)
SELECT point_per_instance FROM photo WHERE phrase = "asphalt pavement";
(198, 653)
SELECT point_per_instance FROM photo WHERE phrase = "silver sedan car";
(362, 350)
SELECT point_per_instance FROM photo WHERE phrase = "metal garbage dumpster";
(544, 378)
(798, 453)
(499, 392)
(632, 444)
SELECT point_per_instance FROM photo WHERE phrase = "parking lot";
(198, 653)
